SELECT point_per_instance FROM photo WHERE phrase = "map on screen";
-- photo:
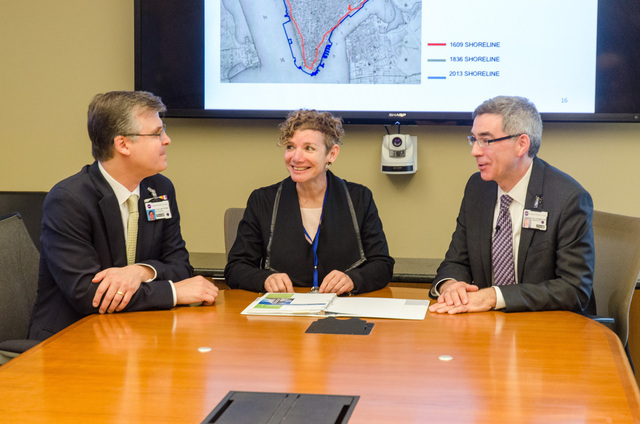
(405, 55)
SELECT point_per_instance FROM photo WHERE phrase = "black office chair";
(18, 285)
(232, 218)
(617, 245)
(29, 205)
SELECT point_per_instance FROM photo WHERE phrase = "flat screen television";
(390, 61)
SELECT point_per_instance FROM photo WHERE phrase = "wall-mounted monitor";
(390, 61)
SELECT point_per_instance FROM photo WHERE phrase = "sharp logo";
(397, 115)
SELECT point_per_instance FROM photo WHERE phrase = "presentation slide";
(399, 55)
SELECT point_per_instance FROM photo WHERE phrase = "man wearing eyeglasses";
(100, 251)
(524, 237)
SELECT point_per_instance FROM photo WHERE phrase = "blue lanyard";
(314, 245)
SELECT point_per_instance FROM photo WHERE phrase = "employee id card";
(157, 208)
(536, 220)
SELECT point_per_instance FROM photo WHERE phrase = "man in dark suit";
(90, 220)
(537, 254)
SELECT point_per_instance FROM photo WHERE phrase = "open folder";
(328, 304)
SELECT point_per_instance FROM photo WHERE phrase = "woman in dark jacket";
(312, 229)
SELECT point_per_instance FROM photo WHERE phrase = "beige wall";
(54, 56)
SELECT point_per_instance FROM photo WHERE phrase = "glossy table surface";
(542, 367)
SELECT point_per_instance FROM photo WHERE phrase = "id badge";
(536, 220)
(157, 208)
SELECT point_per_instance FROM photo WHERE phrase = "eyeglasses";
(484, 142)
(159, 135)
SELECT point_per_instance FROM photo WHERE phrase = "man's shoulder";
(75, 183)
(556, 178)
(157, 180)
(80, 191)
(476, 185)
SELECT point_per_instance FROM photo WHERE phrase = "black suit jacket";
(82, 234)
(555, 267)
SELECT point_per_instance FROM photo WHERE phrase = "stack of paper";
(378, 307)
(290, 304)
(328, 304)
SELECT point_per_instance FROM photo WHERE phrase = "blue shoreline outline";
(327, 49)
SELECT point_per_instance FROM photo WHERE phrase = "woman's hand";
(336, 282)
(278, 283)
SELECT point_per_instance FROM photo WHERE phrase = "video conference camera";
(399, 154)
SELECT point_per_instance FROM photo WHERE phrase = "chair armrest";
(601, 319)
(606, 321)
(18, 346)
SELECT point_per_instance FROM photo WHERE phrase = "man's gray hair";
(519, 116)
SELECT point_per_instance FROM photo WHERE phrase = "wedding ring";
(120, 293)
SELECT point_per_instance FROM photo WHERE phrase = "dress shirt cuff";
(155, 273)
(500, 304)
(173, 290)
(435, 287)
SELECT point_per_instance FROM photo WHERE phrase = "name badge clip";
(157, 207)
(536, 220)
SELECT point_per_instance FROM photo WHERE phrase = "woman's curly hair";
(310, 119)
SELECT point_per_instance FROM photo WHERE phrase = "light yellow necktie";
(132, 229)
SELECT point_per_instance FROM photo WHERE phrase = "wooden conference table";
(545, 367)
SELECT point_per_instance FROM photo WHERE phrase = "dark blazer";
(82, 234)
(555, 267)
(354, 244)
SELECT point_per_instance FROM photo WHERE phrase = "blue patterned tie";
(502, 247)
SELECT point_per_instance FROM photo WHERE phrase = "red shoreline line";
(436, 44)
(323, 37)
